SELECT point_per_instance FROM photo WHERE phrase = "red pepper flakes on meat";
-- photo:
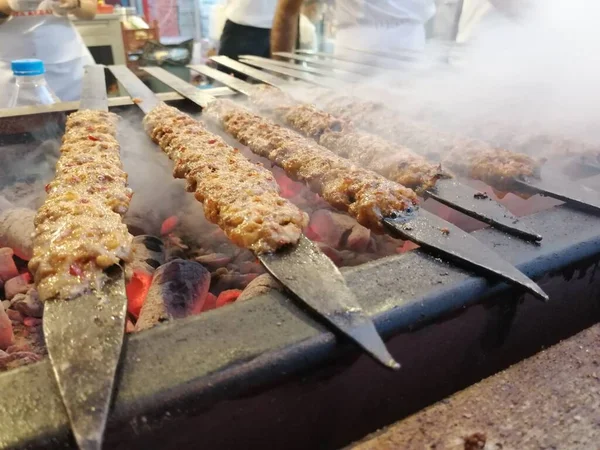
(79, 232)
(47, 188)
(212, 141)
(75, 270)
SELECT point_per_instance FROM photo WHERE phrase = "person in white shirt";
(461, 20)
(247, 30)
(387, 25)
(308, 34)
(41, 29)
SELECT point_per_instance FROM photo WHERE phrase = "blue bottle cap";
(27, 67)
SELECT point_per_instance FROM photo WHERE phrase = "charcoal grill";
(263, 373)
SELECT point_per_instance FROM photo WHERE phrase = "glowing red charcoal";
(288, 187)
(137, 290)
(8, 268)
(179, 289)
(227, 297)
(169, 225)
(7, 336)
(17, 285)
(406, 247)
(210, 302)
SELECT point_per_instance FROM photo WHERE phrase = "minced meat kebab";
(241, 197)
(393, 161)
(365, 195)
(468, 157)
(78, 230)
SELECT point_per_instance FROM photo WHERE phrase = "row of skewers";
(335, 159)
(375, 201)
(381, 119)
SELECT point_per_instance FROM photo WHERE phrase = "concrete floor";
(549, 401)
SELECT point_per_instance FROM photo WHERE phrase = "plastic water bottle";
(30, 86)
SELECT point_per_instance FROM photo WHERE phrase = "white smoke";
(534, 75)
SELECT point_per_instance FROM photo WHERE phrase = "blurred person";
(309, 16)
(33, 29)
(462, 20)
(384, 25)
(247, 29)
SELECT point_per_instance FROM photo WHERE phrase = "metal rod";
(296, 74)
(335, 73)
(257, 74)
(112, 102)
(347, 58)
(354, 67)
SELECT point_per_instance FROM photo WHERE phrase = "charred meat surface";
(78, 230)
(468, 157)
(365, 195)
(241, 197)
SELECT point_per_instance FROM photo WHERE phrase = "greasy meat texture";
(469, 157)
(78, 229)
(365, 195)
(391, 160)
(241, 197)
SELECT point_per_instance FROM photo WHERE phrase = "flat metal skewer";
(294, 73)
(84, 335)
(564, 190)
(354, 67)
(449, 191)
(303, 269)
(257, 74)
(328, 56)
(374, 61)
(333, 73)
(435, 235)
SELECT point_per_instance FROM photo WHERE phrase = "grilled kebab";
(241, 197)
(365, 195)
(78, 230)
(395, 162)
(468, 157)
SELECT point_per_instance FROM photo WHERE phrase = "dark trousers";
(239, 40)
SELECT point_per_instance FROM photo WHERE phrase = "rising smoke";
(534, 75)
(527, 82)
